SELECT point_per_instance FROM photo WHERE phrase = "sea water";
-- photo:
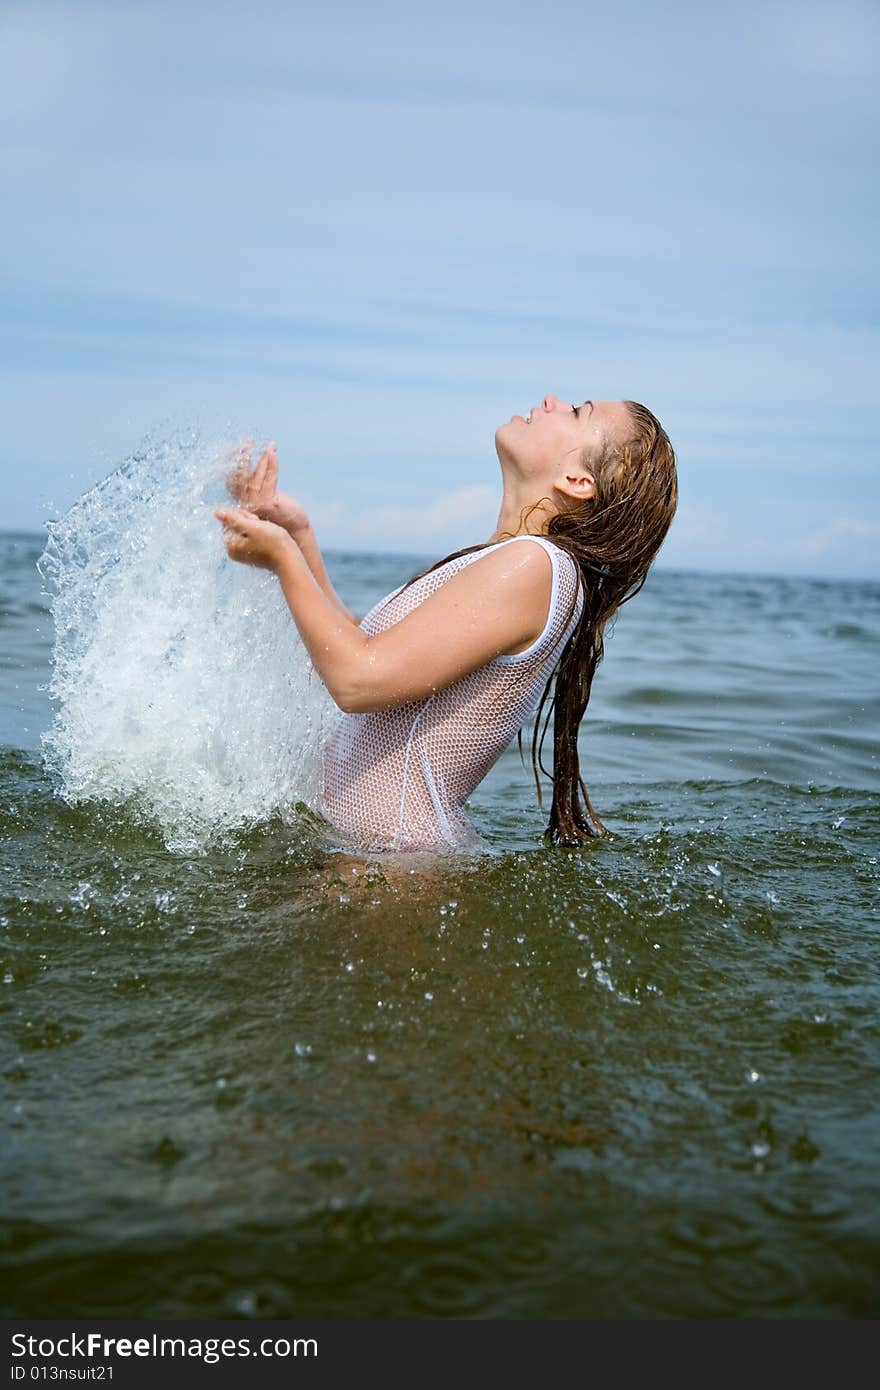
(181, 686)
(248, 1075)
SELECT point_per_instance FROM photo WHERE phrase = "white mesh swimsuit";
(398, 778)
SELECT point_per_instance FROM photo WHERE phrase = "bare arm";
(305, 539)
(257, 491)
(496, 604)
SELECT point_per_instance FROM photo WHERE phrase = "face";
(547, 446)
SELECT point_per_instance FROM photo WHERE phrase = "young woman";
(440, 675)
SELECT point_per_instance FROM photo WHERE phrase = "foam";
(182, 688)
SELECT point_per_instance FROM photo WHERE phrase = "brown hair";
(613, 537)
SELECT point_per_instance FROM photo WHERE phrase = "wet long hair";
(613, 537)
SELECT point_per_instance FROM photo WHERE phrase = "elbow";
(352, 698)
(347, 703)
(361, 689)
(368, 701)
(355, 701)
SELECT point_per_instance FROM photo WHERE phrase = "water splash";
(183, 690)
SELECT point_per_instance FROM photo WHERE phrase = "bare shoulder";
(495, 604)
(516, 582)
(511, 572)
(520, 559)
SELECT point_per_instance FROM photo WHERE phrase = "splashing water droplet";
(181, 686)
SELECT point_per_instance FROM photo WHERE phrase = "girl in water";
(435, 681)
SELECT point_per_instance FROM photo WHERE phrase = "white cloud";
(694, 526)
(373, 242)
(831, 41)
(846, 538)
(450, 521)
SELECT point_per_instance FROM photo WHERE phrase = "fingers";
(238, 480)
(241, 453)
(254, 488)
(262, 470)
(240, 458)
(237, 543)
(234, 519)
(242, 525)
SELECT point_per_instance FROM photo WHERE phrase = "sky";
(374, 232)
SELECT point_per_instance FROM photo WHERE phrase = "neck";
(519, 516)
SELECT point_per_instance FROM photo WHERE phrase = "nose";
(549, 403)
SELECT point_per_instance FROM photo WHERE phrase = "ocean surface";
(246, 1074)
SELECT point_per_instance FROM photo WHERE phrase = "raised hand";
(252, 540)
(256, 490)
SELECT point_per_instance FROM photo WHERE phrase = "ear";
(576, 482)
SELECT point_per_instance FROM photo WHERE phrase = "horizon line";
(655, 568)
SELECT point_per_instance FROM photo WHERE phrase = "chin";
(501, 437)
(505, 445)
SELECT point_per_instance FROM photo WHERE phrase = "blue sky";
(374, 232)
